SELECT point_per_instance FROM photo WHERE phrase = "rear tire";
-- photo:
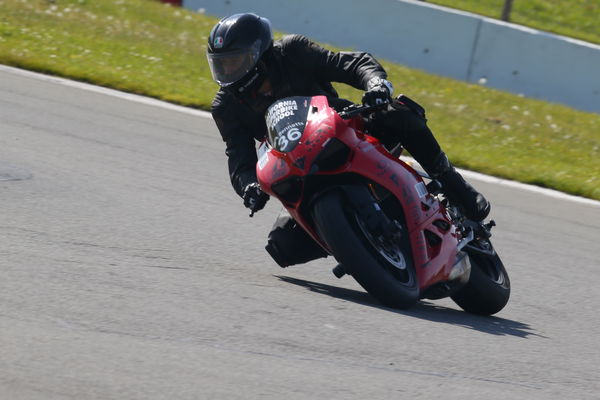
(488, 289)
(337, 223)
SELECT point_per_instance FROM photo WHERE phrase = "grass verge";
(153, 49)
(575, 18)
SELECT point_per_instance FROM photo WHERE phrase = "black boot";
(458, 191)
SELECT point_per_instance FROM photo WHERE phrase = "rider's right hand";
(379, 91)
(254, 198)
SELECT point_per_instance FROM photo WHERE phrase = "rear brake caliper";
(480, 234)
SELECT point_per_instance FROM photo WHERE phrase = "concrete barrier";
(538, 64)
(443, 41)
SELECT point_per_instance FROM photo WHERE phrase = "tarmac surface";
(129, 269)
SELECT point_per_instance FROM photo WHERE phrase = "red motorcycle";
(396, 235)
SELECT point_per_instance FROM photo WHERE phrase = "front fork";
(371, 214)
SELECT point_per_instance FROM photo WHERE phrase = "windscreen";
(286, 119)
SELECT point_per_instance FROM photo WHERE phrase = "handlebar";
(358, 109)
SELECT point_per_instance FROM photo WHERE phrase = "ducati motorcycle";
(395, 234)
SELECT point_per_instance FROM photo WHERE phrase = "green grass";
(149, 48)
(575, 18)
(139, 46)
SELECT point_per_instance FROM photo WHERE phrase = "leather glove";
(379, 91)
(254, 198)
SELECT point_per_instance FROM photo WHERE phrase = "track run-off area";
(129, 269)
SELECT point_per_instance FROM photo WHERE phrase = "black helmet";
(235, 46)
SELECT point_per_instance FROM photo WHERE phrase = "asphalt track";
(130, 270)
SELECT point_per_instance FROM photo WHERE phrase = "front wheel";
(488, 289)
(384, 268)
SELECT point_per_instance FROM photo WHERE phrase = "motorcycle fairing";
(432, 238)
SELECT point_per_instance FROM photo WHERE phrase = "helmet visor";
(228, 68)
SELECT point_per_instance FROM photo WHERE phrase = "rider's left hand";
(254, 198)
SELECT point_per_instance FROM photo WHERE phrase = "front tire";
(378, 271)
(488, 289)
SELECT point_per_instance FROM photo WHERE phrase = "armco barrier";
(443, 41)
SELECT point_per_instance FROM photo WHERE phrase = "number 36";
(292, 135)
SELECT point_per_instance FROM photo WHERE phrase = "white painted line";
(204, 114)
(536, 189)
(518, 185)
(102, 90)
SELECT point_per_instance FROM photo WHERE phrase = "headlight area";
(333, 155)
(288, 190)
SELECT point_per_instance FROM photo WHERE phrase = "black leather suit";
(299, 67)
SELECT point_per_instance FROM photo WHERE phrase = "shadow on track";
(423, 310)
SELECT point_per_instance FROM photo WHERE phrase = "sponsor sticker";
(262, 149)
(261, 153)
(262, 161)
(421, 189)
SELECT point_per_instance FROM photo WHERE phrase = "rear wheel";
(488, 289)
(382, 266)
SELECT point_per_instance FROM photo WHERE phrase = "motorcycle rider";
(253, 71)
